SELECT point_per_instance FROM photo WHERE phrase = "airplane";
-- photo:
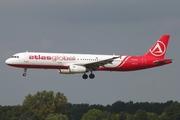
(68, 63)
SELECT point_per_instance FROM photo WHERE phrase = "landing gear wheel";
(84, 76)
(91, 76)
(24, 74)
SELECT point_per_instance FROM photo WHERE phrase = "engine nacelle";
(73, 69)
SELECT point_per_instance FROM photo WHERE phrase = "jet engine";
(73, 69)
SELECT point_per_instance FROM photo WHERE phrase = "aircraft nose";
(8, 61)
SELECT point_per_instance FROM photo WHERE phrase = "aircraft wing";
(95, 65)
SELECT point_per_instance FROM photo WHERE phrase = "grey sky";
(128, 27)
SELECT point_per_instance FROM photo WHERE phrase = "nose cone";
(8, 61)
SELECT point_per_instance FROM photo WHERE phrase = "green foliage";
(56, 117)
(129, 117)
(104, 115)
(76, 111)
(50, 106)
(173, 111)
(163, 116)
(141, 115)
(118, 106)
(122, 116)
(91, 114)
(95, 114)
(131, 107)
(44, 103)
(152, 116)
(10, 112)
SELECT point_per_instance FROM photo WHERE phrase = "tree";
(122, 116)
(141, 115)
(56, 117)
(163, 116)
(152, 116)
(44, 103)
(76, 111)
(129, 117)
(104, 115)
(91, 114)
(118, 107)
(173, 111)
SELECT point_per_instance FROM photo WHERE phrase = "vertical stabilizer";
(158, 50)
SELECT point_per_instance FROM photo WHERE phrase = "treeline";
(120, 108)
(47, 105)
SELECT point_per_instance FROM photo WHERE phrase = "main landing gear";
(91, 76)
(24, 74)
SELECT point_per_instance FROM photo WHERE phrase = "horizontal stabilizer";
(161, 62)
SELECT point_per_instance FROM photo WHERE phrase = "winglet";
(158, 50)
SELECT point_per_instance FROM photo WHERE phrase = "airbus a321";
(68, 63)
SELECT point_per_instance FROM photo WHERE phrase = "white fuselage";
(53, 60)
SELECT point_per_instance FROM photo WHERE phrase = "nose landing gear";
(24, 74)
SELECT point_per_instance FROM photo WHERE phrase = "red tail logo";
(159, 48)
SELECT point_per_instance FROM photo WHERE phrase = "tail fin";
(158, 50)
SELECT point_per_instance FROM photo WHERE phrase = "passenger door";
(26, 57)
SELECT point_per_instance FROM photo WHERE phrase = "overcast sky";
(122, 27)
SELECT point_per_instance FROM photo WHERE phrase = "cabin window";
(15, 57)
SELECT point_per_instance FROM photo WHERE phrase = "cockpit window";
(15, 56)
